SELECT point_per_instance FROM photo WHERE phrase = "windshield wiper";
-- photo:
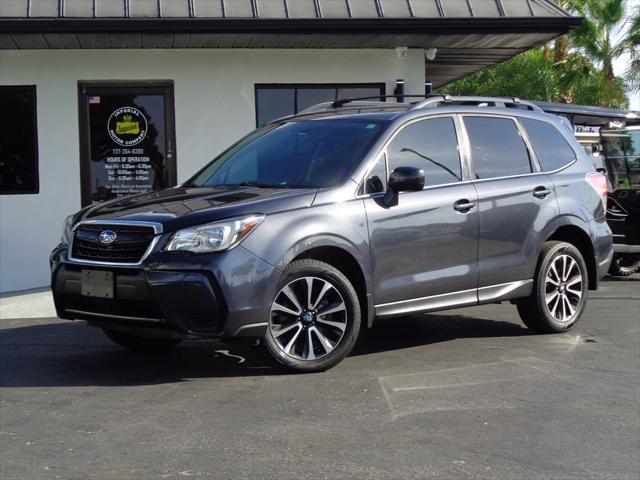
(252, 184)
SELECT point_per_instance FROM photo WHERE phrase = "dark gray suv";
(311, 227)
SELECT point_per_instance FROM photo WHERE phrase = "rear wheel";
(314, 318)
(624, 265)
(138, 343)
(559, 291)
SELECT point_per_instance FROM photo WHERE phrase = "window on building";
(18, 140)
(552, 150)
(431, 145)
(497, 149)
(275, 101)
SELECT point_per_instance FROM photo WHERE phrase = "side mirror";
(403, 179)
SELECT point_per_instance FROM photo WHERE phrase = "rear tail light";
(599, 182)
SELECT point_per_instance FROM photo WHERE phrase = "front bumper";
(220, 295)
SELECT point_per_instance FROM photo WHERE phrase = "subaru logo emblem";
(107, 236)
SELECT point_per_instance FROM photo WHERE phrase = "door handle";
(463, 206)
(541, 192)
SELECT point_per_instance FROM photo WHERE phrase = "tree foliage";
(580, 67)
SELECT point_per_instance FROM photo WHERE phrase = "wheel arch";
(344, 260)
(579, 238)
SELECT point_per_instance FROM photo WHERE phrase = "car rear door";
(424, 248)
(516, 202)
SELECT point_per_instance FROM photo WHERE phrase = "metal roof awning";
(469, 34)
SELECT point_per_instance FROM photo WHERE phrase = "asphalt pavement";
(468, 393)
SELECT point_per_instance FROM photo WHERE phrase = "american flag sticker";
(94, 100)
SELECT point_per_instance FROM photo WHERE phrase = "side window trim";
(536, 170)
(360, 192)
(532, 153)
(464, 148)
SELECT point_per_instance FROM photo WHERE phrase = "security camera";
(430, 53)
(402, 52)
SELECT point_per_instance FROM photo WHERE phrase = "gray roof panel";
(333, 8)
(302, 9)
(207, 9)
(279, 8)
(486, 8)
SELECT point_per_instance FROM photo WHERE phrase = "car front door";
(516, 203)
(424, 248)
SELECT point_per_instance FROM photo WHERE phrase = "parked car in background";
(311, 227)
(621, 152)
(612, 138)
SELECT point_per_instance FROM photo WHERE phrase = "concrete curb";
(28, 305)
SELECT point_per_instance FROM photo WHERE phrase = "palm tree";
(603, 20)
(633, 72)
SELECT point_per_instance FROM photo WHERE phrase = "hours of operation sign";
(128, 169)
(128, 144)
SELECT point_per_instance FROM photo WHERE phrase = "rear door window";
(497, 148)
(551, 148)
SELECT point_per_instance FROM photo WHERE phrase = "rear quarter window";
(552, 150)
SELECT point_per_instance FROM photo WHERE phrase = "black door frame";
(163, 87)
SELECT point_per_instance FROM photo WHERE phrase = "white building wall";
(214, 106)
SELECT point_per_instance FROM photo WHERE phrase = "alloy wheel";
(563, 288)
(308, 318)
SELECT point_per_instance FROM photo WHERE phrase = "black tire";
(624, 265)
(537, 311)
(140, 344)
(341, 335)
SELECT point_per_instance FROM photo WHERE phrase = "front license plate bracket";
(97, 283)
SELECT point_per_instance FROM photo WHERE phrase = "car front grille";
(130, 245)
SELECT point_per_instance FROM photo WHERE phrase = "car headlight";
(213, 237)
(67, 225)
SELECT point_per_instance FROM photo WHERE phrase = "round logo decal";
(127, 126)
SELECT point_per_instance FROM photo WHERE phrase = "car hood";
(181, 207)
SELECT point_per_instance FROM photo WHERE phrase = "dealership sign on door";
(129, 141)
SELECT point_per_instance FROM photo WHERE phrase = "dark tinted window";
(497, 149)
(275, 101)
(311, 153)
(551, 148)
(18, 140)
(622, 153)
(431, 145)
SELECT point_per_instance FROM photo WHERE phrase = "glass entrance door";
(127, 139)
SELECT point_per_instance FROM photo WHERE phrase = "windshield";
(622, 153)
(302, 154)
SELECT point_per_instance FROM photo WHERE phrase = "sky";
(621, 64)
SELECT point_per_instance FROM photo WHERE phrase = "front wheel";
(559, 291)
(314, 318)
(138, 343)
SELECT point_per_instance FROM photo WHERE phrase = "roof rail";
(504, 102)
(432, 100)
(343, 101)
(360, 102)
